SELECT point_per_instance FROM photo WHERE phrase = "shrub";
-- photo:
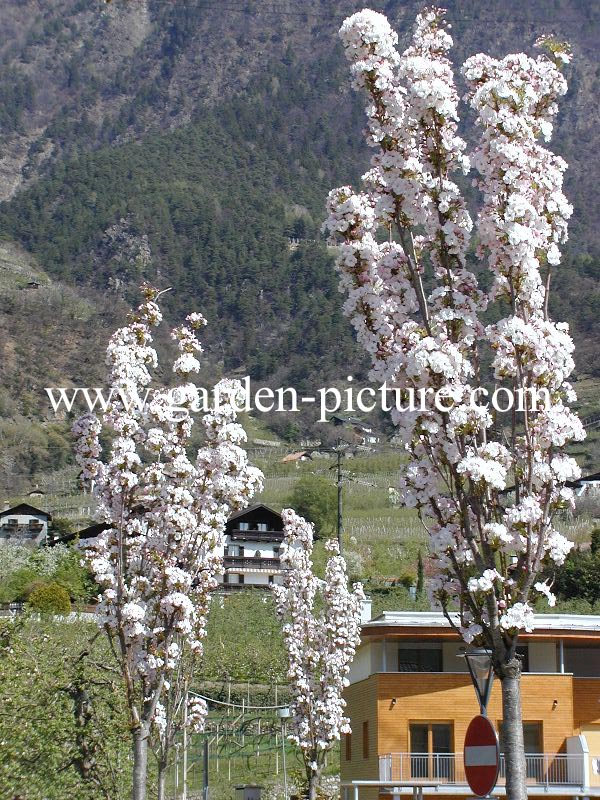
(50, 598)
(595, 543)
(315, 498)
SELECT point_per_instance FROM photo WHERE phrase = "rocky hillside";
(187, 142)
(83, 74)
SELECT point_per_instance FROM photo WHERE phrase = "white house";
(24, 524)
(253, 540)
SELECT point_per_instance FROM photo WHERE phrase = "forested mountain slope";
(185, 142)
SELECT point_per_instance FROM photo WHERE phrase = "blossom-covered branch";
(156, 563)
(419, 311)
(320, 644)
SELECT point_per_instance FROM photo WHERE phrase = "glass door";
(431, 751)
(419, 750)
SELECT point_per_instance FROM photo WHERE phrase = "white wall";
(256, 578)
(250, 548)
(361, 664)
(542, 657)
(24, 518)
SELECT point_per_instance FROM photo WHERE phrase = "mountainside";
(188, 142)
(83, 74)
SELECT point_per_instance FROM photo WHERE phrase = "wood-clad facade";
(412, 694)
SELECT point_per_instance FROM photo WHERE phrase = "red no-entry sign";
(482, 756)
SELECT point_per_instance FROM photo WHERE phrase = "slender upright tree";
(487, 490)
(321, 630)
(156, 563)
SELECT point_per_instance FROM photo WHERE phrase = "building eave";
(428, 624)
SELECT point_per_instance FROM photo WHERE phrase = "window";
(533, 741)
(532, 737)
(583, 662)
(244, 526)
(271, 578)
(412, 659)
(431, 750)
(262, 526)
(523, 653)
(348, 743)
(240, 579)
(365, 738)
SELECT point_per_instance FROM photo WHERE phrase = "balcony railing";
(236, 534)
(227, 588)
(251, 562)
(543, 769)
(23, 531)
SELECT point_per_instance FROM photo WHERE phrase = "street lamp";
(284, 715)
(479, 662)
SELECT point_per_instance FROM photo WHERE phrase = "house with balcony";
(252, 543)
(253, 539)
(410, 700)
(24, 524)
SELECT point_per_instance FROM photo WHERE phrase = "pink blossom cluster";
(321, 629)
(156, 563)
(417, 309)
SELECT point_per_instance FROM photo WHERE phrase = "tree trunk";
(512, 731)
(314, 779)
(162, 779)
(141, 736)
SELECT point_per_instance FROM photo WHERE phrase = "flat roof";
(428, 621)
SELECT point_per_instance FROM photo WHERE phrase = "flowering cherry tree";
(156, 563)
(321, 631)
(487, 491)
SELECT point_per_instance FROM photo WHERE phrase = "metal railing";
(227, 588)
(236, 534)
(543, 769)
(250, 562)
(11, 527)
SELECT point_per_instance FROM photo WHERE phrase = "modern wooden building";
(411, 699)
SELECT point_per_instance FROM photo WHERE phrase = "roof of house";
(356, 421)
(245, 511)
(595, 478)
(296, 456)
(98, 527)
(24, 508)
(426, 622)
(86, 533)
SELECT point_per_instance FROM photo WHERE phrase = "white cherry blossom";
(157, 561)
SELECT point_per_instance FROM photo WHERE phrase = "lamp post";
(338, 450)
(283, 714)
(479, 663)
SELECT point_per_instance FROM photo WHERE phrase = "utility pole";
(283, 714)
(205, 776)
(340, 523)
(339, 449)
(184, 795)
